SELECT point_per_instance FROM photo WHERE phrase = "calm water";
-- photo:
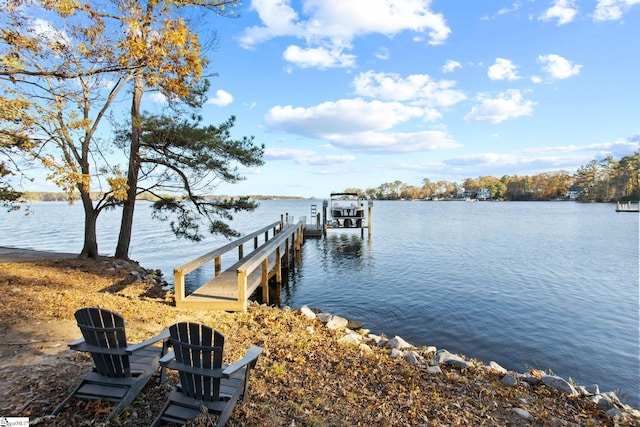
(530, 285)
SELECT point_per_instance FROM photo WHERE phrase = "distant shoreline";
(36, 196)
(10, 254)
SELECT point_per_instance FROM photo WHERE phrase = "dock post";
(265, 281)
(325, 205)
(178, 284)
(218, 266)
(299, 239)
(287, 254)
(278, 267)
(369, 214)
(242, 289)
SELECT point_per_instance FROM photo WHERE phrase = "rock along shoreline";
(353, 333)
(432, 358)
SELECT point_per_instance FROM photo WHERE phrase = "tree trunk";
(126, 224)
(90, 249)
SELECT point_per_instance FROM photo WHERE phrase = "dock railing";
(179, 273)
(289, 238)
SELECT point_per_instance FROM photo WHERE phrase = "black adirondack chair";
(204, 380)
(121, 370)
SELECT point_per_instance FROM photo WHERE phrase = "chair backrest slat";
(106, 329)
(199, 346)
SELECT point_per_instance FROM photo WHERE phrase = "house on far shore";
(483, 194)
(479, 194)
(573, 193)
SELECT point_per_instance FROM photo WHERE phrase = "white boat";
(347, 210)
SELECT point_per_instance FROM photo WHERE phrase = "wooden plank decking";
(230, 289)
(222, 292)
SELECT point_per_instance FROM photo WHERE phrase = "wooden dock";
(231, 288)
(627, 206)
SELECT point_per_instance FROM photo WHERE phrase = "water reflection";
(197, 278)
(344, 246)
(327, 265)
(340, 253)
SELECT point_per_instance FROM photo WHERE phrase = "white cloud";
(286, 153)
(337, 22)
(507, 105)
(319, 57)
(540, 159)
(419, 88)
(45, 30)
(383, 54)
(345, 116)
(497, 164)
(331, 160)
(222, 98)
(484, 159)
(504, 11)
(515, 6)
(618, 148)
(358, 125)
(612, 10)
(503, 69)
(389, 142)
(279, 19)
(450, 66)
(558, 67)
(562, 10)
(158, 98)
(306, 157)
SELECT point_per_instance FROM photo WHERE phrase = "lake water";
(548, 285)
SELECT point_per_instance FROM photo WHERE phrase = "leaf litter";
(303, 378)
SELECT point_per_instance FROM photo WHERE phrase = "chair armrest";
(250, 358)
(164, 360)
(94, 349)
(76, 343)
(162, 336)
(205, 372)
(81, 345)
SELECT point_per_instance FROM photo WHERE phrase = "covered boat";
(347, 210)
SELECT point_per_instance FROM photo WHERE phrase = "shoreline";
(11, 254)
(608, 401)
(430, 359)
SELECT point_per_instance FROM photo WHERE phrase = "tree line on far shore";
(606, 180)
(57, 196)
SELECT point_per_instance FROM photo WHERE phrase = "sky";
(357, 93)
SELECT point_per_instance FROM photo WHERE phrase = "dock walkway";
(230, 289)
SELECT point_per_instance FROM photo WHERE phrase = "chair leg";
(58, 408)
(132, 393)
(228, 409)
(156, 422)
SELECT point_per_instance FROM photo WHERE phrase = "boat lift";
(346, 211)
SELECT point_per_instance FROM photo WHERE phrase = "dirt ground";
(303, 378)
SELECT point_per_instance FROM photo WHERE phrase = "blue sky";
(357, 93)
(362, 92)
